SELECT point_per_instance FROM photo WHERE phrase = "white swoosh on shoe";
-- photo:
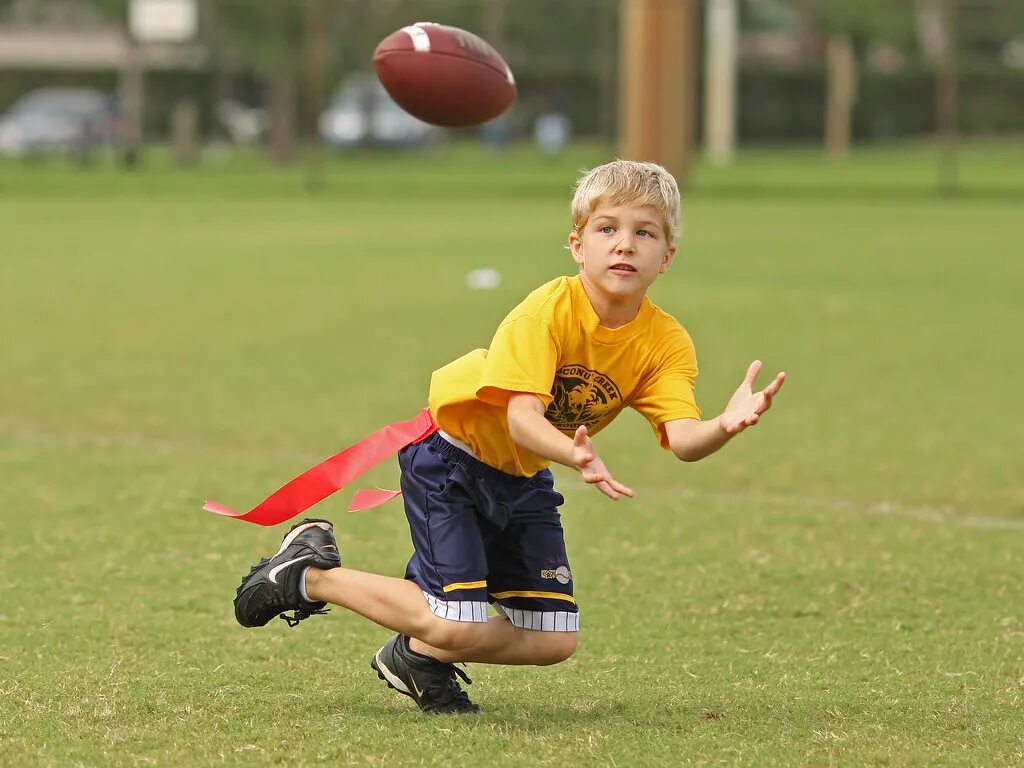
(278, 568)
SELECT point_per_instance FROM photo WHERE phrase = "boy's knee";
(453, 635)
(557, 647)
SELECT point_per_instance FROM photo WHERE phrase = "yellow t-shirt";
(552, 345)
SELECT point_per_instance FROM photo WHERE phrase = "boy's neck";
(612, 312)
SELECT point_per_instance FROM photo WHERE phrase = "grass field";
(840, 586)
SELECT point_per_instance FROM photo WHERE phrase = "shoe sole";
(238, 592)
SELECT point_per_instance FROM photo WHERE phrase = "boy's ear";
(666, 260)
(576, 248)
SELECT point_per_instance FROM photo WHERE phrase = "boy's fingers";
(752, 371)
(581, 435)
(625, 490)
(609, 486)
(776, 385)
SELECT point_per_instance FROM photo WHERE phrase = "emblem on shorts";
(561, 574)
(581, 396)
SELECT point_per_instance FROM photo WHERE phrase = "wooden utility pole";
(841, 92)
(315, 69)
(281, 95)
(132, 95)
(721, 63)
(492, 23)
(658, 82)
(947, 96)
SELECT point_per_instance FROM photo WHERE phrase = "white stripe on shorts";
(457, 610)
(543, 621)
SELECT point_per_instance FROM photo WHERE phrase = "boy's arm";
(529, 429)
(692, 439)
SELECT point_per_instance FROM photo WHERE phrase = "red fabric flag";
(330, 476)
(369, 499)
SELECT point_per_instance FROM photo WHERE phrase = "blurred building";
(253, 55)
(72, 43)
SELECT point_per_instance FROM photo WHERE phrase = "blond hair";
(626, 182)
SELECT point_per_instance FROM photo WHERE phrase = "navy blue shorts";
(482, 536)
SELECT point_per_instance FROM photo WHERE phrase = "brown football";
(444, 75)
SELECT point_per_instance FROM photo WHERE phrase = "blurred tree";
(983, 27)
(113, 9)
(849, 26)
(268, 34)
(867, 21)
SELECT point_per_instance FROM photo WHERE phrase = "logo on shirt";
(581, 396)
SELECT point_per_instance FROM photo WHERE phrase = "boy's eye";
(644, 233)
(607, 230)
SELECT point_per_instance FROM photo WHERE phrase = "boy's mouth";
(622, 267)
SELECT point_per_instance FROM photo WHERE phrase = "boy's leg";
(530, 581)
(525, 563)
(502, 642)
(395, 604)
(399, 605)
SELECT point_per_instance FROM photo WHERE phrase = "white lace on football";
(420, 38)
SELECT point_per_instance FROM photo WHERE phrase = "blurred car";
(361, 113)
(57, 119)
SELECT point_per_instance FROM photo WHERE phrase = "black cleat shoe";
(432, 684)
(272, 586)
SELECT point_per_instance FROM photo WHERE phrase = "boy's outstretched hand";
(746, 406)
(593, 469)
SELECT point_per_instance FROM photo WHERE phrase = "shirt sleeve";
(521, 358)
(668, 393)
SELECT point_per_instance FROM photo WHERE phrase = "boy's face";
(622, 249)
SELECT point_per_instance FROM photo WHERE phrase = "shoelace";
(463, 675)
(450, 692)
(301, 615)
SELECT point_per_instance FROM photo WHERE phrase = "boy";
(479, 498)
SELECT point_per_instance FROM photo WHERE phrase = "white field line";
(944, 515)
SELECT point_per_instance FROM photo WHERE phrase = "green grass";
(840, 586)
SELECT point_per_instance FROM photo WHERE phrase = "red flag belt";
(333, 474)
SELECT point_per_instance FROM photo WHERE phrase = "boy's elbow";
(515, 428)
(680, 435)
(686, 453)
(517, 425)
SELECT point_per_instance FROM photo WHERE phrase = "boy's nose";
(625, 245)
